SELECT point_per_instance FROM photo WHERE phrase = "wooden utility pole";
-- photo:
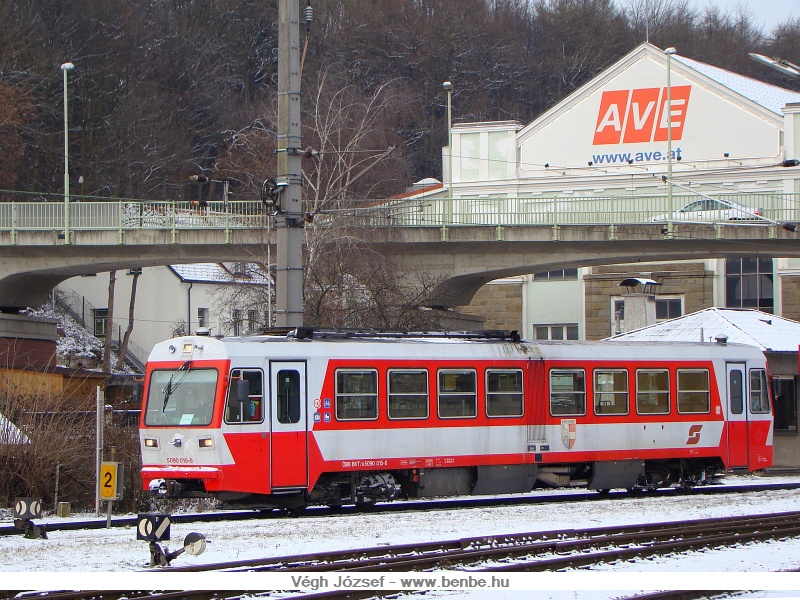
(289, 219)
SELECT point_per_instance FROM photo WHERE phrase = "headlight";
(206, 442)
(151, 442)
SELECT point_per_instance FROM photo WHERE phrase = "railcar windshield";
(181, 397)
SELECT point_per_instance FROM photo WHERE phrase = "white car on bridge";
(710, 211)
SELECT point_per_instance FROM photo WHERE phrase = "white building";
(172, 299)
(729, 136)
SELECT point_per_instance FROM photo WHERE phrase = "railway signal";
(155, 528)
(26, 509)
(152, 527)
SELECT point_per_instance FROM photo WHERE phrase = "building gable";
(618, 121)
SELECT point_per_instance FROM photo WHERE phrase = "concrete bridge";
(37, 253)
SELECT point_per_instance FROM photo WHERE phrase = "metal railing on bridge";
(627, 210)
(126, 215)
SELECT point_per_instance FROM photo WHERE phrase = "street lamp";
(449, 89)
(779, 64)
(67, 66)
(669, 52)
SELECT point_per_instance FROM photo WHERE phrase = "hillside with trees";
(166, 89)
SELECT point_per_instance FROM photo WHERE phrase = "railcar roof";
(446, 348)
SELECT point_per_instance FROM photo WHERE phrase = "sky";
(766, 13)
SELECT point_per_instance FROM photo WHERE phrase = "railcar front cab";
(206, 429)
(178, 441)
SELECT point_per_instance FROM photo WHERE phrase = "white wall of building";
(729, 135)
(163, 302)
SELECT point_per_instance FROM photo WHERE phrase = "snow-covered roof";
(245, 272)
(10, 433)
(742, 326)
(769, 96)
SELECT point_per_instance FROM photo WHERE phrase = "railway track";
(402, 506)
(533, 551)
(555, 550)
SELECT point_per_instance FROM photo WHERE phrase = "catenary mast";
(289, 219)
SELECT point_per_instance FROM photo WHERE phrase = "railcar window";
(287, 397)
(251, 411)
(611, 392)
(652, 391)
(694, 395)
(408, 394)
(356, 394)
(458, 393)
(759, 394)
(736, 391)
(504, 393)
(181, 397)
(568, 392)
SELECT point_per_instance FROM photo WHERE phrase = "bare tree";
(112, 282)
(350, 284)
(123, 349)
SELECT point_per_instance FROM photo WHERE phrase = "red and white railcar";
(314, 417)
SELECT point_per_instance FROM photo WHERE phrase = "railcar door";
(738, 449)
(289, 432)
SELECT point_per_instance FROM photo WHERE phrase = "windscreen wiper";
(169, 388)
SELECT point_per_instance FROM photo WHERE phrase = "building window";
(470, 156)
(567, 392)
(694, 394)
(617, 316)
(458, 393)
(611, 392)
(236, 321)
(356, 394)
(785, 398)
(252, 320)
(749, 283)
(408, 394)
(652, 391)
(135, 271)
(668, 308)
(202, 317)
(557, 275)
(504, 393)
(100, 321)
(568, 331)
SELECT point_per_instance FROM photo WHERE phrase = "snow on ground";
(114, 557)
